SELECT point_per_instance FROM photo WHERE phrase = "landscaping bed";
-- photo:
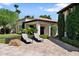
(72, 42)
(4, 36)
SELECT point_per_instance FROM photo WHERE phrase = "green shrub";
(44, 36)
(72, 42)
(19, 32)
(4, 36)
(30, 36)
(30, 31)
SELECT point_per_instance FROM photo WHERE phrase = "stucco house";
(43, 25)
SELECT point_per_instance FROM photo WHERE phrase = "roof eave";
(70, 5)
(40, 20)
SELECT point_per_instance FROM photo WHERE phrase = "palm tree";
(18, 11)
(16, 7)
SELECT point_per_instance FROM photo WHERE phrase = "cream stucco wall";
(36, 23)
(18, 25)
(40, 23)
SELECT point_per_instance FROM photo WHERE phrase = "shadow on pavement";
(64, 45)
(35, 39)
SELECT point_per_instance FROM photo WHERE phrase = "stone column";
(38, 28)
(49, 30)
(65, 17)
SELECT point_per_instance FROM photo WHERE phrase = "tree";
(61, 26)
(45, 16)
(7, 17)
(18, 12)
(29, 17)
(16, 7)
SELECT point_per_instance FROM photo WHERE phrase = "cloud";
(7, 4)
(51, 9)
(62, 5)
(56, 8)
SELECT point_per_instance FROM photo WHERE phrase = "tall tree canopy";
(61, 25)
(45, 16)
(7, 17)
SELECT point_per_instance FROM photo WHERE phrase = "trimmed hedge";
(70, 41)
(4, 36)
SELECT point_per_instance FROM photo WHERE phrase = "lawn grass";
(4, 36)
(2, 40)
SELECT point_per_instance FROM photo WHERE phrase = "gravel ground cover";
(46, 48)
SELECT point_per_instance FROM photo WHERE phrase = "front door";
(42, 30)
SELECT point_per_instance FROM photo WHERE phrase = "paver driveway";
(46, 48)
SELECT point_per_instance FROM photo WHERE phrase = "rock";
(15, 42)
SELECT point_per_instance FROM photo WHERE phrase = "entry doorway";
(42, 30)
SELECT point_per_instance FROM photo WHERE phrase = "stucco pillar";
(49, 30)
(65, 17)
(38, 28)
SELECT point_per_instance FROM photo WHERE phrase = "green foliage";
(29, 30)
(44, 36)
(7, 17)
(73, 23)
(72, 27)
(45, 16)
(4, 36)
(16, 7)
(29, 17)
(61, 26)
(20, 32)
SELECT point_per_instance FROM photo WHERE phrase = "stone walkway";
(46, 48)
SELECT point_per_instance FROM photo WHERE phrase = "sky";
(36, 9)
